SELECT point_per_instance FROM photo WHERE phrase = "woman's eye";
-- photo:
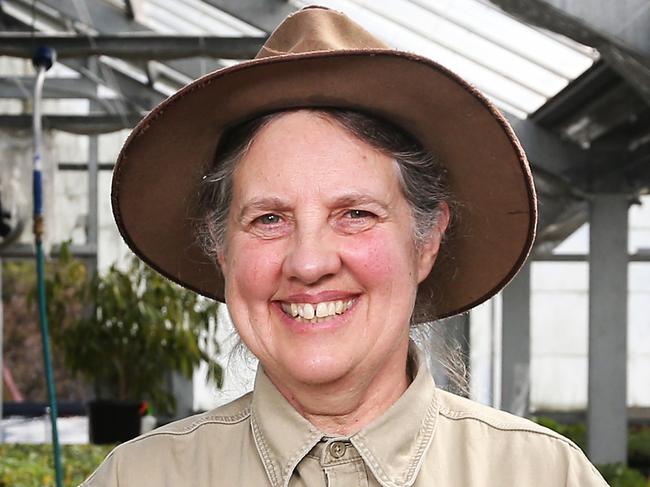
(270, 225)
(355, 221)
(268, 219)
(357, 214)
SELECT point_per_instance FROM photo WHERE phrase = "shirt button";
(337, 449)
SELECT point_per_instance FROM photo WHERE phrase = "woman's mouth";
(316, 312)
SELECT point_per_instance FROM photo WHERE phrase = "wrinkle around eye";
(269, 226)
(355, 221)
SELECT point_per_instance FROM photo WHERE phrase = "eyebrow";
(276, 203)
(264, 203)
(354, 198)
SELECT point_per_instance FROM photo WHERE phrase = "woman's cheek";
(258, 267)
(376, 258)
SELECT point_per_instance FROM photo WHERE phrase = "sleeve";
(581, 472)
(105, 475)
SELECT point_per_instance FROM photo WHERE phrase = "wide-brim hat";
(320, 58)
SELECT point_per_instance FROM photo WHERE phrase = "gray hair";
(421, 177)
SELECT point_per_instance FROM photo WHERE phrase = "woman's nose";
(311, 257)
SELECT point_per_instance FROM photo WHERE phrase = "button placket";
(337, 449)
(342, 465)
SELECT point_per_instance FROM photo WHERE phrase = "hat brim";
(157, 176)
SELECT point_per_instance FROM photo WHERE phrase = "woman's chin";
(317, 368)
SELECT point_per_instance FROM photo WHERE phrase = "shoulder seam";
(506, 427)
(204, 420)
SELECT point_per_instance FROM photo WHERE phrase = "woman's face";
(320, 266)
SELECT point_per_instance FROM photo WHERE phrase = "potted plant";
(137, 328)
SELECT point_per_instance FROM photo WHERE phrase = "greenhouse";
(93, 321)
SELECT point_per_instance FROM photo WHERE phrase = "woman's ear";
(221, 260)
(428, 250)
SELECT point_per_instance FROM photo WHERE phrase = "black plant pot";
(113, 421)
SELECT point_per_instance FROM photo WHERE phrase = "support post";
(607, 390)
(515, 344)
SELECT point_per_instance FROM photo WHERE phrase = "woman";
(323, 177)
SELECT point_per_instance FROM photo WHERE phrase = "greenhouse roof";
(570, 104)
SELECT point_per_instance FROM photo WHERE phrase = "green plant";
(31, 465)
(639, 446)
(22, 339)
(618, 475)
(576, 432)
(136, 329)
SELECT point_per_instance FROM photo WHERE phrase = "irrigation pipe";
(43, 60)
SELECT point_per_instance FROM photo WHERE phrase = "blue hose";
(43, 60)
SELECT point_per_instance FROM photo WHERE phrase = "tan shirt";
(427, 438)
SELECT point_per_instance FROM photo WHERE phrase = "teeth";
(321, 310)
(316, 313)
(307, 311)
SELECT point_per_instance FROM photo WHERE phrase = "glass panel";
(576, 243)
(638, 338)
(559, 330)
(517, 66)
(193, 17)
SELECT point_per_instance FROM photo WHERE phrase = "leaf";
(125, 331)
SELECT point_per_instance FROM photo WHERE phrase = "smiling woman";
(422, 179)
(324, 176)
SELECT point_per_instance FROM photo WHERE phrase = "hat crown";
(317, 29)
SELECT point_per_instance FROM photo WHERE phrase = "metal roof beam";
(547, 150)
(133, 93)
(22, 87)
(76, 124)
(131, 46)
(62, 88)
(94, 17)
(89, 16)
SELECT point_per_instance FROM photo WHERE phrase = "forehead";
(303, 149)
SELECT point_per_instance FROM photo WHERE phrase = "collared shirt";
(428, 437)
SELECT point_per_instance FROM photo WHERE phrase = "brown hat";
(320, 58)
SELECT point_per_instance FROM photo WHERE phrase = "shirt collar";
(392, 446)
(282, 436)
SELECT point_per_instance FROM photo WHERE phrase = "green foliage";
(22, 337)
(639, 446)
(618, 475)
(576, 432)
(137, 327)
(31, 465)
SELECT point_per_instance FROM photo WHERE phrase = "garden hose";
(43, 60)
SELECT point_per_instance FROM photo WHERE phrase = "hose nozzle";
(44, 57)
